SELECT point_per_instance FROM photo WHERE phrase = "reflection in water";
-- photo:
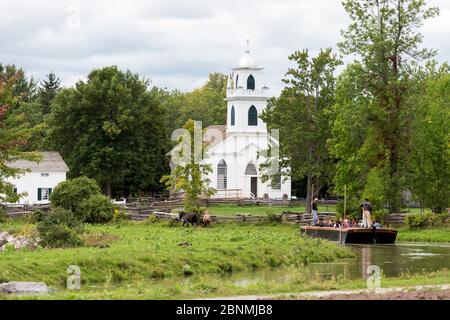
(392, 259)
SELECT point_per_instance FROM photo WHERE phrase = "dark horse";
(188, 218)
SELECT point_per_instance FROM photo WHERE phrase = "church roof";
(218, 136)
(50, 162)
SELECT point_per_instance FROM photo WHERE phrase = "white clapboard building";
(40, 179)
(233, 152)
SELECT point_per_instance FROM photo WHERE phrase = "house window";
(237, 80)
(250, 170)
(222, 175)
(44, 194)
(15, 190)
(250, 83)
(232, 115)
(252, 116)
(45, 174)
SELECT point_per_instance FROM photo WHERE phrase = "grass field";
(139, 251)
(262, 209)
(424, 235)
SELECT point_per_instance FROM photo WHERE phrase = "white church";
(236, 155)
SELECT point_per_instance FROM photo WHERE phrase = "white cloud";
(175, 43)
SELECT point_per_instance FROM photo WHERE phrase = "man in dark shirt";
(366, 207)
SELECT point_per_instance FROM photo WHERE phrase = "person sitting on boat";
(366, 207)
(346, 223)
(321, 224)
(337, 224)
(314, 207)
(377, 225)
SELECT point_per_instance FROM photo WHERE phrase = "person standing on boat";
(314, 211)
(366, 207)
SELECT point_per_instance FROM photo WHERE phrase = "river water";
(392, 260)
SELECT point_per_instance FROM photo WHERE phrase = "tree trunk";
(108, 189)
(309, 194)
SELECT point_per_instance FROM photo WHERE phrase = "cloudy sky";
(175, 43)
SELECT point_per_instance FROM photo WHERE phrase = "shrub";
(274, 218)
(70, 194)
(416, 221)
(60, 229)
(96, 209)
(28, 231)
(119, 215)
(36, 216)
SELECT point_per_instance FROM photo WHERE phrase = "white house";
(233, 152)
(42, 178)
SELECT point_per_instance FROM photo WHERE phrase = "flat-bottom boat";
(351, 235)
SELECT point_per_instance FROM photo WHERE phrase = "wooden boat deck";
(351, 235)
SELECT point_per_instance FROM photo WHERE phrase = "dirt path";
(430, 292)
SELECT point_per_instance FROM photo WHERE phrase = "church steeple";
(247, 96)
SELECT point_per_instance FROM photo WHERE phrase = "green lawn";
(150, 251)
(262, 209)
(424, 235)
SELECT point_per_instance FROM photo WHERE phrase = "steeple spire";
(247, 44)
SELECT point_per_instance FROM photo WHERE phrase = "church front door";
(254, 186)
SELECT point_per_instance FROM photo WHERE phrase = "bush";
(96, 209)
(415, 221)
(119, 215)
(273, 218)
(70, 194)
(60, 229)
(36, 216)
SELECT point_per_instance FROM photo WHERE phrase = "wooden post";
(345, 201)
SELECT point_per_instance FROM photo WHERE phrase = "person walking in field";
(366, 207)
(314, 206)
(206, 219)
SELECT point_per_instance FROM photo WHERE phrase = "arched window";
(250, 170)
(232, 116)
(237, 81)
(252, 116)
(222, 175)
(250, 83)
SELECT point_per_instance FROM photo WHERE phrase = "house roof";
(50, 162)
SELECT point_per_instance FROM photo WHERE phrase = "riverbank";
(132, 252)
(424, 235)
(212, 287)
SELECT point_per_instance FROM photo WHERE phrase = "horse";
(188, 218)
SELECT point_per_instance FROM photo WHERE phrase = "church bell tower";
(247, 97)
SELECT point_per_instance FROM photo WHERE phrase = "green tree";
(112, 128)
(300, 114)
(205, 104)
(12, 136)
(384, 36)
(47, 91)
(429, 159)
(190, 175)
